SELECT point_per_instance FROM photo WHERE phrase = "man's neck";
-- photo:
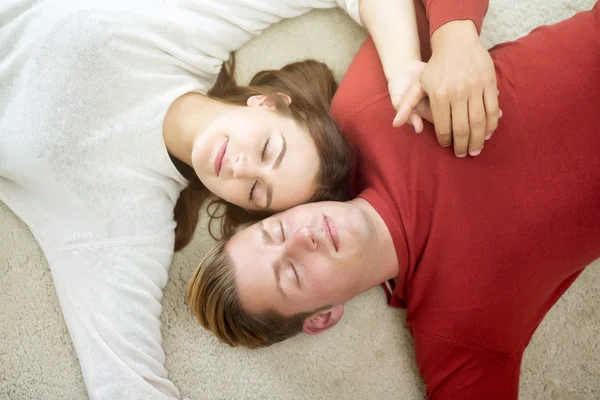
(385, 264)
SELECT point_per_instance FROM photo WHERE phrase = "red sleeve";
(453, 370)
(363, 84)
(440, 12)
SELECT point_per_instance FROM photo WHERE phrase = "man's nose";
(303, 239)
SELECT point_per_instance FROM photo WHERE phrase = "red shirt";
(486, 244)
(431, 14)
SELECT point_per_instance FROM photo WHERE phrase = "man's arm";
(459, 79)
(441, 12)
(454, 370)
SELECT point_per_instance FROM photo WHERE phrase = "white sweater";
(84, 88)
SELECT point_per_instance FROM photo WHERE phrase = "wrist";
(454, 32)
(401, 67)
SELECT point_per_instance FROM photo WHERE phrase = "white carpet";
(368, 355)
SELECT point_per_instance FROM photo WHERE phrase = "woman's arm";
(393, 26)
(110, 294)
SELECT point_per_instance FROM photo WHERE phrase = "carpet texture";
(369, 355)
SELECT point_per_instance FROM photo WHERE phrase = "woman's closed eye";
(263, 153)
(251, 193)
(264, 149)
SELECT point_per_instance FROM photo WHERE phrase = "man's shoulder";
(363, 85)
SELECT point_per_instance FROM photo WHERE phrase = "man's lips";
(219, 157)
(331, 232)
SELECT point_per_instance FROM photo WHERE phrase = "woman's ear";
(260, 100)
(322, 320)
(285, 97)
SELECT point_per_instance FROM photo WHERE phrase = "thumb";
(416, 122)
(409, 101)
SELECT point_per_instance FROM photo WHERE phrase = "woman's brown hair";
(311, 86)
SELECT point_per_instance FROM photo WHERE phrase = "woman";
(253, 143)
(96, 100)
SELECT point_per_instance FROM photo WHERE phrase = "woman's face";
(256, 158)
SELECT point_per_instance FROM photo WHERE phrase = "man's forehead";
(250, 247)
(244, 238)
(253, 263)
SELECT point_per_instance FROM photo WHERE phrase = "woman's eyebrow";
(275, 165)
(281, 153)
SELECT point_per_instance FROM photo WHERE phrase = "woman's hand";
(460, 81)
(409, 77)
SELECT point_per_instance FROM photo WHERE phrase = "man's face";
(305, 258)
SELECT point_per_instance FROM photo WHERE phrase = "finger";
(442, 120)
(416, 122)
(477, 123)
(492, 110)
(460, 127)
(409, 101)
(395, 101)
(424, 110)
(489, 135)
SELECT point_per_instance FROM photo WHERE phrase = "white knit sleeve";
(351, 7)
(110, 295)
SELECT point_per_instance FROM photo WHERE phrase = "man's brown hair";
(213, 299)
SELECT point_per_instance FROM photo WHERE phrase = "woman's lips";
(331, 232)
(219, 157)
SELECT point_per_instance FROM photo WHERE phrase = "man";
(108, 279)
(480, 249)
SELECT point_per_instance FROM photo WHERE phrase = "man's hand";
(460, 81)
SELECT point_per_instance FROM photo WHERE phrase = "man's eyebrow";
(277, 272)
(276, 266)
(267, 239)
(275, 165)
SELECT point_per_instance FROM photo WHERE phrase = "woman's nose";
(242, 168)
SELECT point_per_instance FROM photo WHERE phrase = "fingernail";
(462, 155)
(500, 114)
(446, 145)
(488, 136)
(474, 153)
(415, 129)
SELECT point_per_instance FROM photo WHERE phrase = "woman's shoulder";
(100, 22)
